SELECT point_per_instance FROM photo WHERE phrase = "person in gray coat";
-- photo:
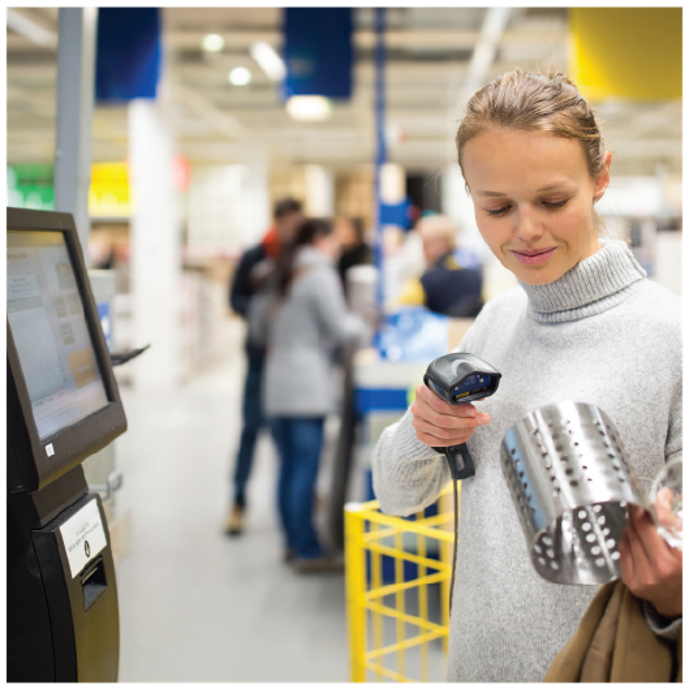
(304, 321)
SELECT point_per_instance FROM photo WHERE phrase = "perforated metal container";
(569, 477)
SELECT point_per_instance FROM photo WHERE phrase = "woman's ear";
(603, 179)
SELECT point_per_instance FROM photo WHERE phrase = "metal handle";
(113, 484)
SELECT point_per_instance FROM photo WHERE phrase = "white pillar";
(256, 210)
(320, 192)
(155, 239)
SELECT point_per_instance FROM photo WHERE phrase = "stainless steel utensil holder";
(569, 477)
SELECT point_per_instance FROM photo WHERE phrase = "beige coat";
(615, 644)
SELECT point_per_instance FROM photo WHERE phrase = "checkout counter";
(377, 384)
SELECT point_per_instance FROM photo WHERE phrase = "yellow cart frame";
(370, 536)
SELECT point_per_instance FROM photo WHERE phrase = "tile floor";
(196, 605)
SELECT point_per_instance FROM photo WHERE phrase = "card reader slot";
(93, 582)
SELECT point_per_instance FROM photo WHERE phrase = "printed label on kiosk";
(83, 536)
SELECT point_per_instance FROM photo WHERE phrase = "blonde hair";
(548, 102)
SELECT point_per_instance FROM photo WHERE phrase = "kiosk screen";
(49, 328)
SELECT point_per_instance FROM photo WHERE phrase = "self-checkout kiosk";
(62, 406)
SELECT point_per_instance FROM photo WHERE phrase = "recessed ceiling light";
(309, 108)
(213, 42)
(269, 61)
(240, 76)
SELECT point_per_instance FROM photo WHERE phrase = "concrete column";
(76, 57)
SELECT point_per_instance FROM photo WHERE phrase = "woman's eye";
(496, 212)
(554, 205)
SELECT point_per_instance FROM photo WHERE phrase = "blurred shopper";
(355, 250)
(304, 321)
(586, 324)
(251, 276)
(448, 284)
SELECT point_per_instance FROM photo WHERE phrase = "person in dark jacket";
(252, 271)
(450, 285)
(355, 250)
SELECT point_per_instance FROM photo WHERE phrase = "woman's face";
(533, 200)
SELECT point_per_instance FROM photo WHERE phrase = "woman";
(583, 325)
(305, 321)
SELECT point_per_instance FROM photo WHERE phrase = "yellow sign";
(109, 194)
(628, 52)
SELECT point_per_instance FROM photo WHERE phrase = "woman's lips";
(536, 257)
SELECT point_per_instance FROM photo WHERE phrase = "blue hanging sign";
(128, 54)
(318, 52)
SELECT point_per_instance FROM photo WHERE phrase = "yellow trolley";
(397, 585)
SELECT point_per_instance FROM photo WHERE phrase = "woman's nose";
(528, 226)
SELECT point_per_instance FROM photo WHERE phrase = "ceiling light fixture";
(28, 28)
(240, 76)
(268, 60)
(485, 50)
(309, 108)
(213, 42)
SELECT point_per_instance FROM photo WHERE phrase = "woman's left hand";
(651, 568)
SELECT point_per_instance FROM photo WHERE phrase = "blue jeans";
(252, 420)
(299, 442)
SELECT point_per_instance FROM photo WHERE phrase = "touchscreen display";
(48, 325)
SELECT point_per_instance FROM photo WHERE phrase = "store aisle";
(196, 605)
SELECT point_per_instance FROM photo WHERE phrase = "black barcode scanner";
(458, 378)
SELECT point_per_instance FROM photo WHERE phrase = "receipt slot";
(63, 405)
(63, 622)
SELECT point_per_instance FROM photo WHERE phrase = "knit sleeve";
(673, 445)
(667, 629)
(407, 475)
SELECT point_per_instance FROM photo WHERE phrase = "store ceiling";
(430, 52)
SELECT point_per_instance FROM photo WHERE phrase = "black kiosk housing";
(62, 406)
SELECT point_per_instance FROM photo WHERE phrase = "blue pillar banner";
(318, 52)
(128, 53)
(395, 214)
(381, 156)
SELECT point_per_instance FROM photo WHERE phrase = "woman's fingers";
(441, 424)
(651, 569)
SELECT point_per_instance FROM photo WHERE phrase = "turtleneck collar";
(594, 285)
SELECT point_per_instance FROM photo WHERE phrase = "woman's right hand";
(441, 424)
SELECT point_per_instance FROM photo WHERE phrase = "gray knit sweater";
(601, 334)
